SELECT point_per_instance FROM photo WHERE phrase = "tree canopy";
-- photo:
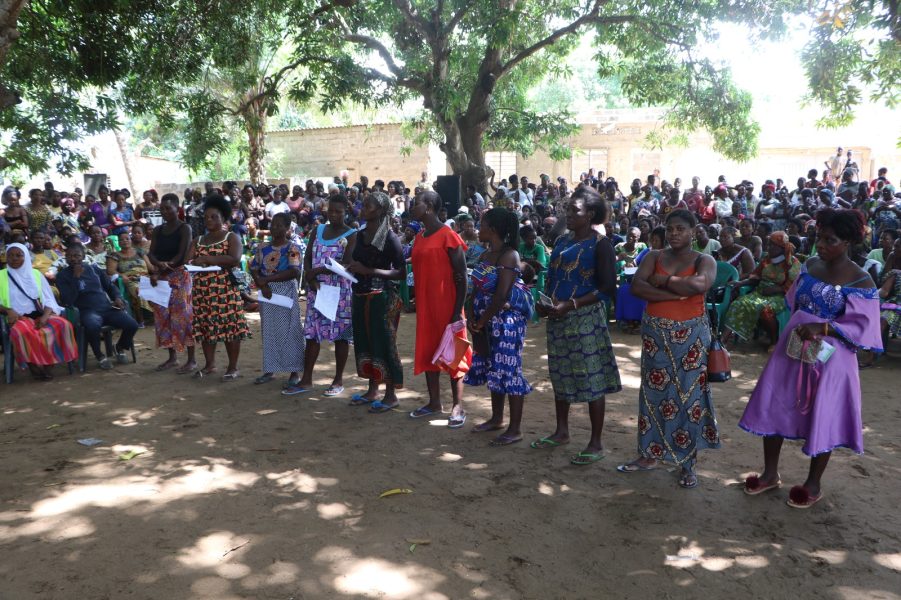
(198, 65)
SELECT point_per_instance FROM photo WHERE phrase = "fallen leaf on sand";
(395, 492)
(266, 411)
(129, 455)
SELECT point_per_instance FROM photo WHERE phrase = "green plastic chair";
(725, 273)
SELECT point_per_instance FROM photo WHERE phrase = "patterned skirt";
(580, 357)
(502, 368)
(375, 319)
(891, 314)
(218, 309)
(174, 324)
(283, 343)
(675, 409)
(744, 313)
(46, 346)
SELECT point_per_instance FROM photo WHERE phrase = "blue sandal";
(378, 407)
(424, 411)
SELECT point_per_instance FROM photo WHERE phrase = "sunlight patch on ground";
(450, 457)
(850, 593)
(378, 578)
(334, 510)
(833, 557)
(210, 550)
(889, 561)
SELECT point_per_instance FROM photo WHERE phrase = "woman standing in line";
(275, 269)
(218, 308)
(833, 302)
(501, 307)
(378, 262)
(675, 410)
(582, 366)
(169, 247)
(332, 241)
(439, 269)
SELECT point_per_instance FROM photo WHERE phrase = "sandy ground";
(243, 493)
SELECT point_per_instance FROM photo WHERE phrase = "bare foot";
(167, 365)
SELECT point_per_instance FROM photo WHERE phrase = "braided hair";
(505, 223)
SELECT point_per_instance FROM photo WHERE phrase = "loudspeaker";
(450, 192)
(93, 181)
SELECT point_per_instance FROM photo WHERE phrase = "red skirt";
(46, 346)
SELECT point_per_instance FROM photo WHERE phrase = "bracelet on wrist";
(575, 304)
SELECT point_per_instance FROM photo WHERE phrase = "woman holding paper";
(218, 308)
(378, 263)
(169, 246)
(275, 269)
(439, 268)
(835, 314)
(331, 242)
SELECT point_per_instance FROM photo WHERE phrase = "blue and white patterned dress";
(502, 368)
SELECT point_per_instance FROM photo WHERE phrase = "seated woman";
(141, 235)
(87, 287)
(736, 255)
(40, 337)
(629, 309)
(772, 278)
(43, 256)
(889, 301)
(628, 251)
(130, 263)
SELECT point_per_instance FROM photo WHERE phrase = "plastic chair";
(725, 273)
(73, 315)
(9, 360)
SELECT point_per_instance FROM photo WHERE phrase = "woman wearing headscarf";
(40, 337)
(771, 279)
(378, 262)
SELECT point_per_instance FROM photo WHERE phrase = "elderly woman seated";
(40, 338)
(771, 279)
(88, 288)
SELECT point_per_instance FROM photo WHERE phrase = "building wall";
(374, 151)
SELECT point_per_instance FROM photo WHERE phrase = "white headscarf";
(23, 304)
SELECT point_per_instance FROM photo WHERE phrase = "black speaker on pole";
(450, 192)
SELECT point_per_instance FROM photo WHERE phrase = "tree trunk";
(255, 124)
(465, 153)
(9, 17)
(126, 162)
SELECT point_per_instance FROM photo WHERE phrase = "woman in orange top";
(675, 412)
(439, 269)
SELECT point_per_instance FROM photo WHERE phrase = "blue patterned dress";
(502, 368)
(283, 345)
(580, 357)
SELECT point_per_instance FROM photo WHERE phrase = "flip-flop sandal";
(799, 497)
(634, 467)
(586, 458)
(264, 378)
(294, 389)
(504, 440)
(231, 376)
(333, 391)
(483, 427)
(424, 411)
(456, 422)
(688, 481)
(360, 400)
(290, 383)
(183, 371)
(379, 407)
(165, 367)
(753, 486)
(545, 443)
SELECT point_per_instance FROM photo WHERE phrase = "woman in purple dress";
(835, 302)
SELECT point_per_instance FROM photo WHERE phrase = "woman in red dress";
(439, 270)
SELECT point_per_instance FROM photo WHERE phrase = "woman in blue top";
(501, 307)
(582, 366)
(121, 215)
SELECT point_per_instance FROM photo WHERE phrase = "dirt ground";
(243, 493)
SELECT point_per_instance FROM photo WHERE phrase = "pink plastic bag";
(454, 353)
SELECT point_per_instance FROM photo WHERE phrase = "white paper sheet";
(158, 295)
(196, 269)
(339, 270)
(327, 299)
(630, 270)
(277, 299)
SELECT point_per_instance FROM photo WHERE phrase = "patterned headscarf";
(383, 225)
(780, 238)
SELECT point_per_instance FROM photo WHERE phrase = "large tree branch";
(412, 17)
(455, 19)
(592, 17)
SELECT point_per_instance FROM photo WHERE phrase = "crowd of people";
(816, 271)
